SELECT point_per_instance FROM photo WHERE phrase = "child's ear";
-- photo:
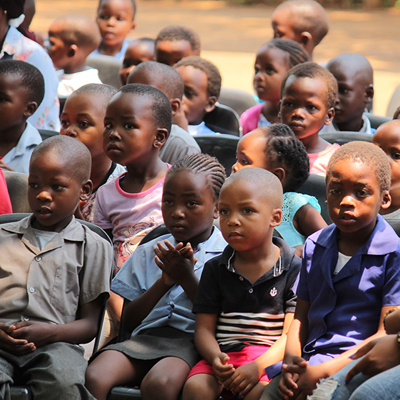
(72, 50)
(175, 105)
(30, 109)
(306, 41)
(369, 94)
(210, 104)
(280, 173)
(386, 200)
(216, 212)
(329, 116)
(133, 26)
(161, 137)
(86, 190)
(276, 217)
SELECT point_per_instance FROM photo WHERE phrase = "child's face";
(354, 197)
(196, 102)
(115, 20)
(54, 192)
(83, 119)
(388, 139)
(269, 69)
(282, 25)
(135, 54)
(246, 216)
(130, 134)
(352, 96)
(189, 207)
(251, 152)
(58, 50)
(170, 53)
(303, 106)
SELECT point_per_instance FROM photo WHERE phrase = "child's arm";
(82, 330)
(11, 345)
(308, 220)
(247, 376)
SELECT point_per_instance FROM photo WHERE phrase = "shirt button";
(241, 278)
(251, 290)
(38, 258)
(31, 289)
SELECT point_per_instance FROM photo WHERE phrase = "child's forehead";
(121, 5)
(192, 74)
(132, 102)
(316, 86)
(351, 169)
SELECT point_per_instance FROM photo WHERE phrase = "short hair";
(14, 8)
(69, 151)
(393, 122)
(160, 105)
(79, 30)
(356, 63)
(31, 78)
(175, 33)
(366, 153)
(284, 150)
(396, 113)
(314, 71)
(267, 184)
(307, 16)
(168, 77)
(103, 93)
(297, 54)
(133, 2)
(199, 163)
(213, 75)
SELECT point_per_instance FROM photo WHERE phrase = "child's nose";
(347, 200)
(235, 168)
(111, 21)
(44, 195)
(233, 220)
(298, 113)
(178, 213)
(70, 132)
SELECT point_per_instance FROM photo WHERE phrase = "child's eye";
(395, 156)
(224, 211)
(58, 187)
(167, 202)
(129, 126)
(362, 193)
(334, 192)
(270, 71)
(108, 125)
(64, 124)
(192, 203)
(312, 108)
(344, 91)
(287, 104)
(189, 94)
(83, 124)
(103, 17)
(247, 211)
(120, 19)
(33, 185)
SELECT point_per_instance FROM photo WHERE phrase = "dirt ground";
(232, 34)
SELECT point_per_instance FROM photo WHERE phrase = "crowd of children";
(245, 292)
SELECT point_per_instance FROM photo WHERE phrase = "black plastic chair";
(395, 224)
(223, 120)
(344, 137)
(376, 120)
(108, 68)
(46, 133)
(394, 102)
(17, 185)
(238, 100)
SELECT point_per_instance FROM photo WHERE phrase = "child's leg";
(256, 392)
(165, 379)
(112, 368)
(6, 373)
(202, 387)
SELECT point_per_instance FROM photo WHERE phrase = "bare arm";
(308, 220)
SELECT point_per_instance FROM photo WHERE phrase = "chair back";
(46, 133)
(394, 102)
(108, 68)
(223, 120)
(376, 120)
(17, 185)
(344, 137)
(238, 100)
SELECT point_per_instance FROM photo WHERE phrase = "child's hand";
(290, 376)
(4, 166)
(243, 379)
(12, 345)
(222, 370)
(35, 332)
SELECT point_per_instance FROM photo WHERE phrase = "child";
(5, 202)
(354, 76)
(71, 39)
(304, 21)
(349, 278)
(244, 304)
(159, 282)
(273, 61)
(52, 268)
(83, 119)
(175, 42)
(387, 137)
(165, 78)
(22, 91)
(202, 82)
(140, 50)
(115, 21)
(276, 149)
(308, 95)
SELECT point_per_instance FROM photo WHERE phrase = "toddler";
(22, 91)
(159, 282)
(276, 149)
(175, 42)
(83, 119)
(202, 85)
(138, 51)
(387, 137)
(273, 61)
(71, 39)
(304, 21)
(163, 77)
(245, 303)
(354, 76)
(53, 268)
(349, 277)
(115, 19)
(308, 97)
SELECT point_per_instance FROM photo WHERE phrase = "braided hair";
(202, 163)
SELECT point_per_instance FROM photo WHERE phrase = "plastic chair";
(223, 120)
(108, 68)
(394, 102)
(223, 147)
(17, 185)
(46, 133)
(395, 224)
(238, 100)
(346, 137)
(22, 392)
(376, 120)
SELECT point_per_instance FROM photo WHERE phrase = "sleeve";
(249, 119)
(291, 298)
(301, 285)
(391, 289)
(100, 216)
(301, 200)
(5, 202)
(208, 297)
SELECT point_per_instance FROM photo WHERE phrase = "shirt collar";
(29, 137)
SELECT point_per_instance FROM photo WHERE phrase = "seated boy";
(140, 50)
(244, 302)
(175, 42)
(163, 77)
(22, 91)
(53, 269)
(202, 86)
(71, 39)
(354, 76)
(115, 20)
(349, 277)
(304, 21)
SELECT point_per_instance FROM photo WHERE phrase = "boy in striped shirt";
(244, 303)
